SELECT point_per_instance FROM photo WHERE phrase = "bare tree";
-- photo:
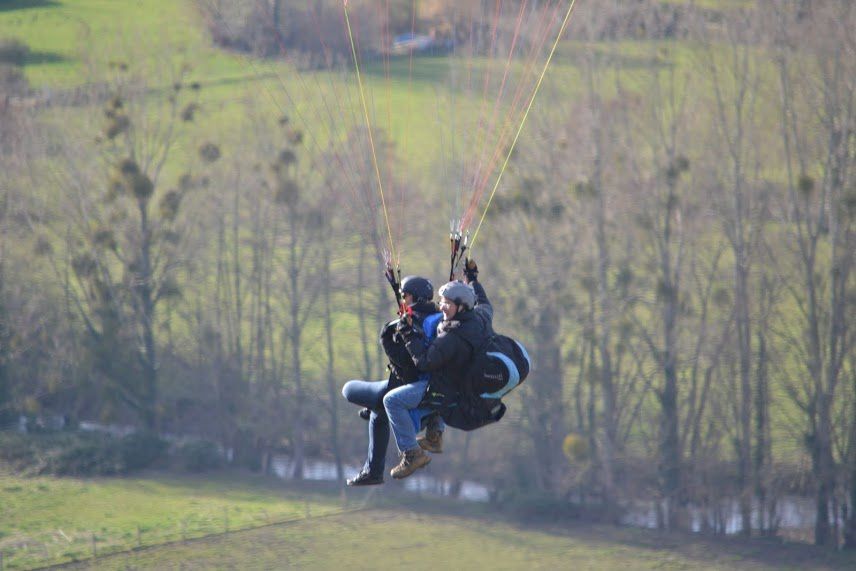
(530, 225)
(605, 302)
(298, 253)
(665, 229)
(714, 324)
(125, 236)
(5, 332)
(9, 131)
(735, 83)
(821, 218)
(333, 395)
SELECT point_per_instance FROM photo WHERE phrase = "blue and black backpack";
(499, 365)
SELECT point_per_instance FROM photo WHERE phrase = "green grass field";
(48, 521)
(429, 107)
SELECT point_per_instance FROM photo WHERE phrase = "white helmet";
(460, 293)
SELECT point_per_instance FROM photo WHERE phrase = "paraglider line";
(482, 179)
(523, 121)
(371, 137)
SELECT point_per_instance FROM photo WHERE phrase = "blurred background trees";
(674, 244)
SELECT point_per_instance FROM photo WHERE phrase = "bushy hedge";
(13, 52)
(141, 449)
(199, 455)
(93, 456)
(79, 453)
(531, 505)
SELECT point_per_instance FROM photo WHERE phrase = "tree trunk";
(762, 444)
(823, 464)
(145, 295)
(850, 524)
(548, 429)
(237, 295)
(607, 382)
(5, 384)
(457, 482)
(744, 348)
(361, 315)
(670, 443)
(670, 448)
(332, 392)
(295, 341)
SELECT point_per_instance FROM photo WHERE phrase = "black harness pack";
(498, 365)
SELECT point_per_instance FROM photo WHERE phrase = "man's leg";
(370, 395)
(397, 403)
(433, 439)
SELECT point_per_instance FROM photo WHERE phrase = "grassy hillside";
(384, 539)
(48, 520)
(73, 41)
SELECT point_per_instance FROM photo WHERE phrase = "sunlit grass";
(44, 520)
(419, 540)
(72, 40)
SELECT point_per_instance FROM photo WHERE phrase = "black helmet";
(460, 293)
(420, 288)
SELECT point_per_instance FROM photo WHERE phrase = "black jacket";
(448, 357)
(401, 366)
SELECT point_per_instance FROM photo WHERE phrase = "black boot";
(364, 478)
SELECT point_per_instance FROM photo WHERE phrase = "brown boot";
(411, 460)
(432, 441)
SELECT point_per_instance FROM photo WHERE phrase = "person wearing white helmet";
(467, 324)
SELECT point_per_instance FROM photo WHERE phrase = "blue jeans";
(404, 417)
(370, 395)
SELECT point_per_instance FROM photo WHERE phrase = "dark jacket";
(449, 356)
(401, 366)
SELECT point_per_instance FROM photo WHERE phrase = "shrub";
(140, 450)
(533, 505)
(78, 453)
(246, 453)
(16, 450)
(13, 52)
(12, 80)
(94, 455)
(199, 455)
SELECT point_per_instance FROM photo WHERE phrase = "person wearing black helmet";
(418, 294)
(467, 324)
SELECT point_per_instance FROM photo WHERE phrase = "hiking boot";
(411, 460)
(432, 441)
(364, 478)
(365, 413)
